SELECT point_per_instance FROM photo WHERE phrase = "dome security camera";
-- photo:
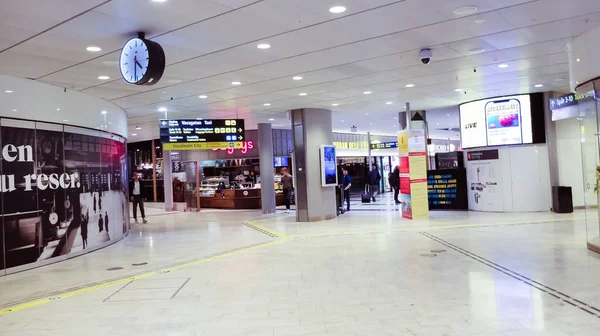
(426, 55)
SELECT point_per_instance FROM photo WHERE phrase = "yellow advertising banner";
(419, 199)
(418, 166)
(202, 145)
(402, 142)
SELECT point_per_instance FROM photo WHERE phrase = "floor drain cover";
(114, 269)
(428, 255)
(438, 251)
(140, 264)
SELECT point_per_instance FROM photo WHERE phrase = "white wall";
(43, 102)
(570, 172)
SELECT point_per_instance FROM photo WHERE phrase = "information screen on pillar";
(202, 134)
(496, 122)
(328, 166)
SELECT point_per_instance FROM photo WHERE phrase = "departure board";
(202, 134)
(384, 145)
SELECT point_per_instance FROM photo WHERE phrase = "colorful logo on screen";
(246, 146)
(503, 120)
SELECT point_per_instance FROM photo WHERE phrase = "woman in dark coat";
(100, 224)
(84, 230)
(395, 183)
(106, 224)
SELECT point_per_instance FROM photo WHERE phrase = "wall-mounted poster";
(63, 192)
(328, 166)
(484, 178)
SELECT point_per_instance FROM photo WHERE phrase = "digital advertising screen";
(328, 166)
(496, 122)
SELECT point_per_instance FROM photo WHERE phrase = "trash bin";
(562, 199)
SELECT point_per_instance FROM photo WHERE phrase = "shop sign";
(350, 145)
(246, 146)
(483, 155)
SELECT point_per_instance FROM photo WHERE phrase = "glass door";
(590, 156)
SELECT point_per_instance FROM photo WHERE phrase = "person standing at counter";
(287, 183)
(136, 192)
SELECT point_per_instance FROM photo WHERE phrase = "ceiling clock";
(142, 61)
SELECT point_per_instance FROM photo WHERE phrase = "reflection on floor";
(363, 273)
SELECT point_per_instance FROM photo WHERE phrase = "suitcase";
(366, 196)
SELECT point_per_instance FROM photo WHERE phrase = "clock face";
(134, 61)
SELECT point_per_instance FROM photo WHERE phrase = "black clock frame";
(156, 62)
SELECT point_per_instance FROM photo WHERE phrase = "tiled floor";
(363, 273)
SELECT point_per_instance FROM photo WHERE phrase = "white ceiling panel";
(373, 46)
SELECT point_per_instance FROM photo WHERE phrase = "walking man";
(287, 183)
(373, 179)
(136, 198)
(346, 185)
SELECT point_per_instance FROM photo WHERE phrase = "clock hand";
(138, 63)
(135, 70)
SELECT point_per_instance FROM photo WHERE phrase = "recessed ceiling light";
(93, 49)
(389, 103)
(103, 77)
(367, 113)
(203, 96)
(410, 85)
(302, 94)
(263, 46)
(266, 104)
(335, 104)
(578, 60)
(236, 83)
(14, 110)
(342, 121)
(8, 91)
(134, 134)
(337, 9)
(466, 10)
(159, 0)
(138, 128)
(367, 92)
(271, 119)
(58, 109)
(162, 109)
(371, 123)
(457, 90)
(297, 78)
(479, 21)
(65, 120)
(104, 112)
(475, 51)
(503, 65)
(539, 85)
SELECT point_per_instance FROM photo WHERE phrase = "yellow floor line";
(49, 299)
(272, 232)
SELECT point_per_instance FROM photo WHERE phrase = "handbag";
(366, 196)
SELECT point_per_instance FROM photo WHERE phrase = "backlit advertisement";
(496, 122)
(328, 166)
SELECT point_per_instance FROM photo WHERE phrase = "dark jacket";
(395, 179)
(373, 177)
